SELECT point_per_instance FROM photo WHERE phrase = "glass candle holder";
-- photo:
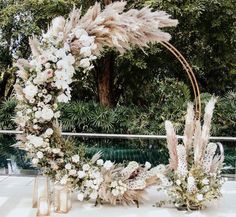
(62, 199)
(43, 207)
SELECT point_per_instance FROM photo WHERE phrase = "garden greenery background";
(137, 92)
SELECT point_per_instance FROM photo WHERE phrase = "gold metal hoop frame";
(191, 76)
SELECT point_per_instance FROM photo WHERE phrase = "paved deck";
(16, 197)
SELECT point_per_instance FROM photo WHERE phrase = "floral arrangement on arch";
(194, 166)
(44, 81)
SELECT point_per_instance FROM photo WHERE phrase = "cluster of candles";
(45, 199)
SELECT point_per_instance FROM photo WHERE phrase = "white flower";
(84, 63)
(60, 53)
(148, 165)
(39, 154)
(68, 166)
(178, 182)
(49, 132)
(38, 114)
(35, 140)
(35, 161)
(70, 59)
(115, 192)
(75, 158)
(191, 184)
(78, 32)
(205, 181)
(57, 114)
(108, 164)
(47, 113)
(72, 172)
(100, 162)
(86, 167)
(30, 91)
(199, 197)
(81, 174)
(80, 196)
(85, 51)
(114, 184)
(28, 111)
(56, 150)
(63, 98)
(93, 195)
(64, 180)
(86, 40)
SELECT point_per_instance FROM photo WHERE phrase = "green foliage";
(206, 35)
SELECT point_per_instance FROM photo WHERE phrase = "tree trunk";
(105, 81)
(105, 77)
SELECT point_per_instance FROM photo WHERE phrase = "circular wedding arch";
(44, 81)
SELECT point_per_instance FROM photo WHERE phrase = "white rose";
(39, 154)
(93, 195)
(85, 51)
(62, 98)
(148, 165)
(81, 174)
(72, 172)
(30, 91)
(68, 166)
(84, 63)
(199, 197)
(86, 167)
(56, 150)
(75, 158)
(100, 162)
(47, 113)
(49, 132)
(108, 164)
(57, 114)
(35, 161)
(80, 196)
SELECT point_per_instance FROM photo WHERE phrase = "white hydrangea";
(37, 141)
(30, 91)
(47, 113)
